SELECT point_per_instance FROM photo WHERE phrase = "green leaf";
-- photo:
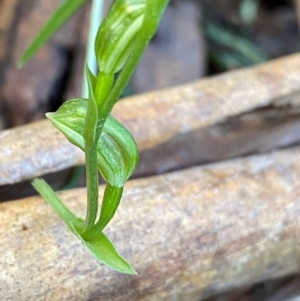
(104, 250)
(114, 41)
(92, 79)
(152, 14)
(55, 202)
(59, 17)
(98, 244)
(117, 151)
(110, 203)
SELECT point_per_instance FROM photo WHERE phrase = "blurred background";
(197, 38)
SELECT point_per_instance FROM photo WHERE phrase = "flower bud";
(114, 41)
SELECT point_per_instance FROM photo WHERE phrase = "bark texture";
(189, 234)
(238, 113)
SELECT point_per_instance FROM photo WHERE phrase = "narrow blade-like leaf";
(98, 244)
(110, 203)
(56, 203)
(104, 250)
(59, 17)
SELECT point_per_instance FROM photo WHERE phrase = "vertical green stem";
(92, 132)
(110, 202)
(102, 100)
(91, 144)
(103, 94)
(92, 185)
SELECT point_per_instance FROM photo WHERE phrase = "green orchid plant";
(109, 147)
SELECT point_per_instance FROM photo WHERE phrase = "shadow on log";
(189, 234)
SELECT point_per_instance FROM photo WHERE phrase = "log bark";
(280, 289)
(241, 112)
(189, 234)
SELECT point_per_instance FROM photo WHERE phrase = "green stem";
(101, 102)
(92, 183)
(111, 200)
(90, 143)
(92, 131)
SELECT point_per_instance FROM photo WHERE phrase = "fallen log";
(189, 234)
(201, 122)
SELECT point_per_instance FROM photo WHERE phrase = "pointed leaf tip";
(104, 250)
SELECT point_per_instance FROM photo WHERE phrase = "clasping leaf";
(117, 151)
